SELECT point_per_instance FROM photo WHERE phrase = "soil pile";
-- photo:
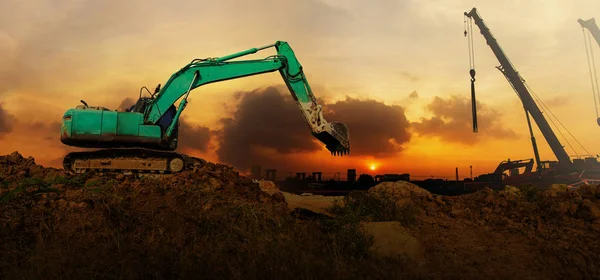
(209, 221)
(212, 222)
(517, 233)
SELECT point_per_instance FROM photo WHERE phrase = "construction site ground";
(211, 223)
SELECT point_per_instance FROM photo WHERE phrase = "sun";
(372, 167)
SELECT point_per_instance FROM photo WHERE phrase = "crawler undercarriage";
(130, 161)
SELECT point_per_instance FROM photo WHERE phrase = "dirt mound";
(209, 221)
(215, 223)
(515, 233)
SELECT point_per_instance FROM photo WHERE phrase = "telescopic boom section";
(591, 25)
(518, 84)
(201, 72)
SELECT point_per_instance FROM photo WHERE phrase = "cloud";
(267, 125)
(557, 101)
(452, 121)
(264, 118)
(6, 121)
(192, 136)
(376, 129)
(126, 104)
(409, 76)
(413, 95)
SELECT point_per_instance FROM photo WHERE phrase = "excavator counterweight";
(145, 137)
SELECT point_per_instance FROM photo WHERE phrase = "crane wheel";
(176, 165)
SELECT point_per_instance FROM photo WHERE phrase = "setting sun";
(372, 167)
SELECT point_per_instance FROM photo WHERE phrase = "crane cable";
(592, 68)
(545, 108)
(469, 36)
(558, 120)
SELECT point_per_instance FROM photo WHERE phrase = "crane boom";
(591, 25)
(518, 84)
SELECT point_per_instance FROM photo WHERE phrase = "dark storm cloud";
(376, 129)
(266, 118)
(452, 121)
(192, 136)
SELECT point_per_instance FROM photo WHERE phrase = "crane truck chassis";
(144, 138)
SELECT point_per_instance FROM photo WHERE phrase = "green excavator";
(144, 138)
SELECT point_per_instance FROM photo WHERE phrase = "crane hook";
(473, 101)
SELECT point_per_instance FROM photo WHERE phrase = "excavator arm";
(205, 71)
(590, 24)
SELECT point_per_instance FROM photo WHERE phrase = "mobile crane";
(554, 169)
(590, 24)
(144, 138)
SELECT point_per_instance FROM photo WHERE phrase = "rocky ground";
(213, 223)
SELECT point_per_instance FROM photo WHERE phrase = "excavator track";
(130, 161)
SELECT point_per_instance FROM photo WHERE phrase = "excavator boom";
(517, 82)
(151, 126)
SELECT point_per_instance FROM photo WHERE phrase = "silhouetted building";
(351, 177)
(256, 172)
(317, 176)
(270, 174)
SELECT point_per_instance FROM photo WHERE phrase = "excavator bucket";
(335, 137)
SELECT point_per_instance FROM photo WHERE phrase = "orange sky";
(54, 54)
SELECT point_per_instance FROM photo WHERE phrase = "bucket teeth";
(340, 152)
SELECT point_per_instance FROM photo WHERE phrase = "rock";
(73, 194)
(562, 208)
(549, 193)
(391, 240)
(278, 197)
(559, 188)
(588, 211)
(314, 203)
(586, 191)
(398, 190)
(457, 213)
(62, 202)
(573, 208)
(511, 189)
(268, 187)
(439, 201)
